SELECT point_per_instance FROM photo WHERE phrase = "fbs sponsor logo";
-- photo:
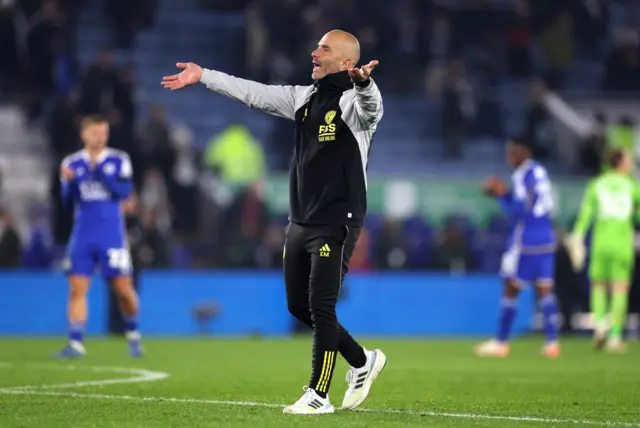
(328, 132)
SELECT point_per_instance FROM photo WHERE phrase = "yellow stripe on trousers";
(327, 369)
(322, 372)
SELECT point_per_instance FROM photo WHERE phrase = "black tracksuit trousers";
(315, 261)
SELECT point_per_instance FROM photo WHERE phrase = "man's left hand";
(494, 187)
(361, 74)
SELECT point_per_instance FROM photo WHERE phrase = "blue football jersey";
(96, 192)
(530, 204)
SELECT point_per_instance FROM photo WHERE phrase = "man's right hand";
(577, 251)
(494, 186)
(191, 73)
(66, 172)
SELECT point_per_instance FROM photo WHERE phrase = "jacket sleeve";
(369, 104)
(280, 101)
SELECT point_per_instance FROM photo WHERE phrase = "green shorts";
(611, 267)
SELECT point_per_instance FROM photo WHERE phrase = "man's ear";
(348, 63)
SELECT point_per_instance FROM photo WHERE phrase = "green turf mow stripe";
(273, 405)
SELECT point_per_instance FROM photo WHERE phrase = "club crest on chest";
(327, 132)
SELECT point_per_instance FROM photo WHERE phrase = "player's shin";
(129, 306)
(77, 317)
(508, 312)
(598, 303)
(77, 310)
(549, 308)
(619, 304)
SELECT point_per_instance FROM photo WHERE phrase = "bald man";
(335, 119)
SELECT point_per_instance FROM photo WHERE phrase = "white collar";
(523, 166)
(101, 157)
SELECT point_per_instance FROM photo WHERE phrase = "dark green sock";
(599, 305)
(619, 303)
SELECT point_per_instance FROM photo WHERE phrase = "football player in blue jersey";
(530, 253)
(95, 181)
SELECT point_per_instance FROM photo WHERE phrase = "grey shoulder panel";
(361, 112)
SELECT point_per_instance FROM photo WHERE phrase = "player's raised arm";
(636, 201)
(515, 202)
(587, 211)
(68, 184)
(368, 98)
(574, 242)
(511, 204)
(272, 99)
(117, 177)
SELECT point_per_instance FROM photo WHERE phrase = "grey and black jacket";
(335, 123)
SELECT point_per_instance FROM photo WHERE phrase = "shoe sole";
(60, 356)
(288, 411)
(378, 366)
(599, 341)
(498, 354)
(617, 350)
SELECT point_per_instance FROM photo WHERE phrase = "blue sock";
(508, 310)
(549, 307)
(131, 327)
(76, 331)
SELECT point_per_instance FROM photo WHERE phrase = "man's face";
(626, 164)
(515, 154)
(95, 136)
(329, 57)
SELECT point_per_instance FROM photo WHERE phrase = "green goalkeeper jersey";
(611, 204)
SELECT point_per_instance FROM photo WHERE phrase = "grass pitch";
(244, 383)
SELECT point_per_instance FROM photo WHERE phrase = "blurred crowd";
(460, 51)
(495, 38)
(37, 43)
(204, 205)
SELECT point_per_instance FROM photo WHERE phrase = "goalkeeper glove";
(577, 251)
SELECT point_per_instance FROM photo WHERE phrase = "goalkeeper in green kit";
(610, 204)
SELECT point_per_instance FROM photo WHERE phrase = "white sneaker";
(360, 380)
(492, 348)
(599, 337)
(310, 404)
(616, 345)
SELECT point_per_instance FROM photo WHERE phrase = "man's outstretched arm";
(368, 98)
(276, 100)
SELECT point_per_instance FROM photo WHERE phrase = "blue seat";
(181, 257)
(499, 224)
(419, 238)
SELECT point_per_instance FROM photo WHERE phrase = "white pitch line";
(140, 375)
(378, 411)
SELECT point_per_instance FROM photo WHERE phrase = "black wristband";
(364, 83)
